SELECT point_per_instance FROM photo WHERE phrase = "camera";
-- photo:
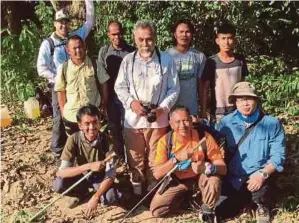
(151, 116)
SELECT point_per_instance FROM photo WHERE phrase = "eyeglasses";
(244, 99)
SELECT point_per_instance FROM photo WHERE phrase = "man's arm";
(77, 170)
(61, 96)
(122, 83)
(89, 23)
(44, 62)
(173, 86)
(203, 93)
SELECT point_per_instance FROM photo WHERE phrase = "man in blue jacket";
(254, 158)
(52, 53)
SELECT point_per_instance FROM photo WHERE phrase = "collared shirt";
(47, 64)
(109, 62)
(79, 150)
(190, 66)
(80, 85)
(265, 144)
(150, 85)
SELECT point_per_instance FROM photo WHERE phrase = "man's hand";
(159, 111)
(137, 107)
(103, 109)
(97, 166)
(184, 154)
(91, 207)
(255, 182)
(198, 167)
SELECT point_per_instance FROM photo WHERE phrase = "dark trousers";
(232, 201)
(58, 131)
(70, 127)
(115, 113)
(62, 184)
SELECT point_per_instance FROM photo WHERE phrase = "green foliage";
(18, 60)
(278, 89)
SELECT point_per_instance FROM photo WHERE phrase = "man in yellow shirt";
(78, 84)
(194, 166)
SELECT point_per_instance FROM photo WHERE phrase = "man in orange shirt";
(194, 166)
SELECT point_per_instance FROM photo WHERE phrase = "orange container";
(5, 117)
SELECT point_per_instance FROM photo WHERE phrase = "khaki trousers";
(141, 146)
(173, 197)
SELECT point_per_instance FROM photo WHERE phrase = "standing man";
(256, 145)
(52, 53)
(222, 71)
(77, 84)
(147, 85)
(110, 58)
(189, 63)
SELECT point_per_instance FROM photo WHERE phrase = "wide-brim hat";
(242, 89)
(61, 14)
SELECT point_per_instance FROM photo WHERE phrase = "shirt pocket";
(259, 149)
(89, 80)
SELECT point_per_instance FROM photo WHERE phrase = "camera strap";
(161, 72)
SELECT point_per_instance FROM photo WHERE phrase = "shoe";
(207, 214)
(262, 214)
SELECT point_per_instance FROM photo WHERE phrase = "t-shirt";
(222, 77)
(79, 150)
(189, 66)
(109, 62)
(213, 152)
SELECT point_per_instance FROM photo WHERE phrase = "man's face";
(226, 42)
(90, 126)
(115, 35)
(145, 42)
(246, 105)
(181, 123)
(62, 27)
(183, 35)
(76, 49)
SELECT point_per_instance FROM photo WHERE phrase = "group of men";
(143, 91)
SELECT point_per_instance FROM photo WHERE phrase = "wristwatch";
(174, 160)
(264, 174)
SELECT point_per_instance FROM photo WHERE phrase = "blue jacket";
(265, 144)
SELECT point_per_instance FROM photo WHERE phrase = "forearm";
(90, 20)
(162, 169)
(61, 95)
(270, 169)
(72, 171)
(104, 187)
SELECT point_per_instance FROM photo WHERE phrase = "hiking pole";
(161, 181)
(109, 157)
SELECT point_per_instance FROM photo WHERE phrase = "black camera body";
(151, 116)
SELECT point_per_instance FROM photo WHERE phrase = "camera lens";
(151, 117)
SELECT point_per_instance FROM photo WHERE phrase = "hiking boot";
(262, 214)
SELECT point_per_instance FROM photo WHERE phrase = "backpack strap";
(64, 70)
(95, 68)
(169, 142)
(52, 45)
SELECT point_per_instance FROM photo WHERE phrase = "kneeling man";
(88, 149)
(196, 166)
(256, 144)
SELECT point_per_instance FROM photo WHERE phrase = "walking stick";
(160, 182)
(109, 157)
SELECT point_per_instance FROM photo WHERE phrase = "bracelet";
(210, 169)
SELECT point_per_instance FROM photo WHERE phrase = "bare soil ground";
(27, 170)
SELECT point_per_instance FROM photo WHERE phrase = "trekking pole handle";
(109, 157)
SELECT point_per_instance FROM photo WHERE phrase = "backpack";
(52, 45)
